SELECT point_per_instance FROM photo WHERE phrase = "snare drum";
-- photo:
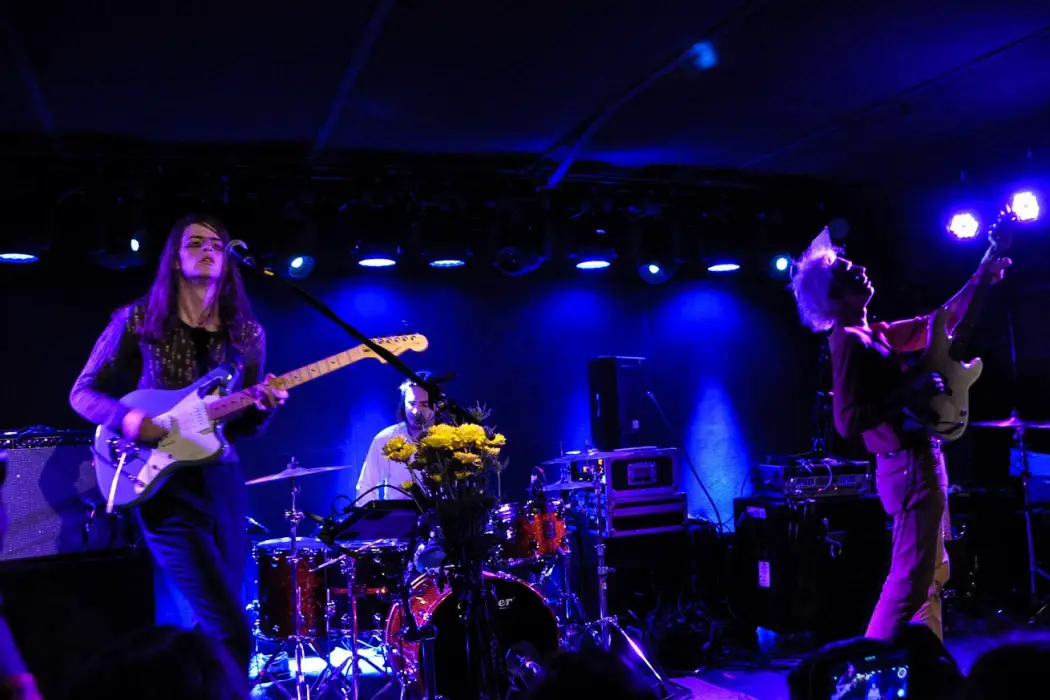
(530, 531)
(276, 595)
(523, 623)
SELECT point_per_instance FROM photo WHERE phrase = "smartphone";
(881, 675)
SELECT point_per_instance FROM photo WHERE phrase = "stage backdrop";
(728, 362)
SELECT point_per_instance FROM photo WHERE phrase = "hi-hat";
(568, 486)
(294, 473)
(1011, 422)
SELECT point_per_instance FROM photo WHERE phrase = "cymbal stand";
(1034, 572)
(607, 623)
(297, 641)
(1033, 569)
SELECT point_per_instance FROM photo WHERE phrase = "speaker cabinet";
(809, 566)
(49, 502)
(622, 414)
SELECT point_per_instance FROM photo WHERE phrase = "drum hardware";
(1019, 425)
(607, 622)
(299, 639)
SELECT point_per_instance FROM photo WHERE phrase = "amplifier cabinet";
(49, 500)
(809, 566)
(640, 473)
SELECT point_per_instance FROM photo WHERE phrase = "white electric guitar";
(129, 473)
(947, 354)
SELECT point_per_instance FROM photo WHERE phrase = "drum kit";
(349, 585)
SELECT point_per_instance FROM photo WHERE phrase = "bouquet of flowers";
(450, 466)
(450, 461)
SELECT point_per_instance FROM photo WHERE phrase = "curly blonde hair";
(812, 279)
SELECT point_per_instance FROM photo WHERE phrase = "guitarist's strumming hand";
(268, 396)
(138, 426)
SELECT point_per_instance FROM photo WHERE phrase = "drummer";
(414, 416)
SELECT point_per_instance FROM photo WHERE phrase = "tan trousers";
(913, 487)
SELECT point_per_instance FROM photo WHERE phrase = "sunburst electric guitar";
(128, 473)
(949, 413)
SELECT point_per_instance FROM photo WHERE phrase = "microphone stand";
(433, 389)
(427, 633)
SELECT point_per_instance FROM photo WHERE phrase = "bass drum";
(524, 624)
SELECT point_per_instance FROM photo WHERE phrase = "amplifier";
(625, 518)
(809, 566)
(50, 500)
(812, 478)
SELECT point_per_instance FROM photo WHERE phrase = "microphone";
(238, 250)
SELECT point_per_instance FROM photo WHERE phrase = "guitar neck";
(964, 329)
(297, 377)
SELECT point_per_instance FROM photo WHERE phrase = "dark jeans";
(913, 488)
(195, 530)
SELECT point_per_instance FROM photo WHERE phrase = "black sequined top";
(124, 360)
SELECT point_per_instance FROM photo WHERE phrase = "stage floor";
(966, 644)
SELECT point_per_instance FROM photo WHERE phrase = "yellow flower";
(406, 485)
(469, 434)
(460, 476)
(491, 451)
(497, 440)
(399, 449)
(439, 436)
(466, 458)
(436, 478)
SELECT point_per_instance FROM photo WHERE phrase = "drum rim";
(429, 611)
(308, 544)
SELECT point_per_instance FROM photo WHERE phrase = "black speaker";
(62, 609)
(49, 502)
(622, 415)
(809, 566)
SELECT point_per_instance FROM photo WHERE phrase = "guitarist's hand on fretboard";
(994, 269)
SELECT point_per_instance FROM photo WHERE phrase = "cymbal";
(569, 458)
(294, 473)
(569, 486)
(1011, 422)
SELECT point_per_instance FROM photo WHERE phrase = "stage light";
(658, 272)
(18, 258)
(376, 262)
(592, 264)
(723, 267)
(1026, 206)
(704, 55)
(135, 245)
(653, 269)
(300, 266)
(449, 262)
(781, 263)
(963, 225)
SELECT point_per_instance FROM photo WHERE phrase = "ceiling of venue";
(871, 91)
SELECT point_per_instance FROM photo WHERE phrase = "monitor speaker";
(622, 415)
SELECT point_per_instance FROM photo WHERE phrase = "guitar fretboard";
(242, 399)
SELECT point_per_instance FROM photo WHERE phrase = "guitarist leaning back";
(872, 398)
(195, 317)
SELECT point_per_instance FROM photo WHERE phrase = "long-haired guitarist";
(873, 397)
(195, 317)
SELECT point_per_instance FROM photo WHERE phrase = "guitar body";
(951, 410)
(193, 439)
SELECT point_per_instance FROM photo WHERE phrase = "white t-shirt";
(378, 470)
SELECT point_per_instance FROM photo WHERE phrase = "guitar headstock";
(399, 344)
